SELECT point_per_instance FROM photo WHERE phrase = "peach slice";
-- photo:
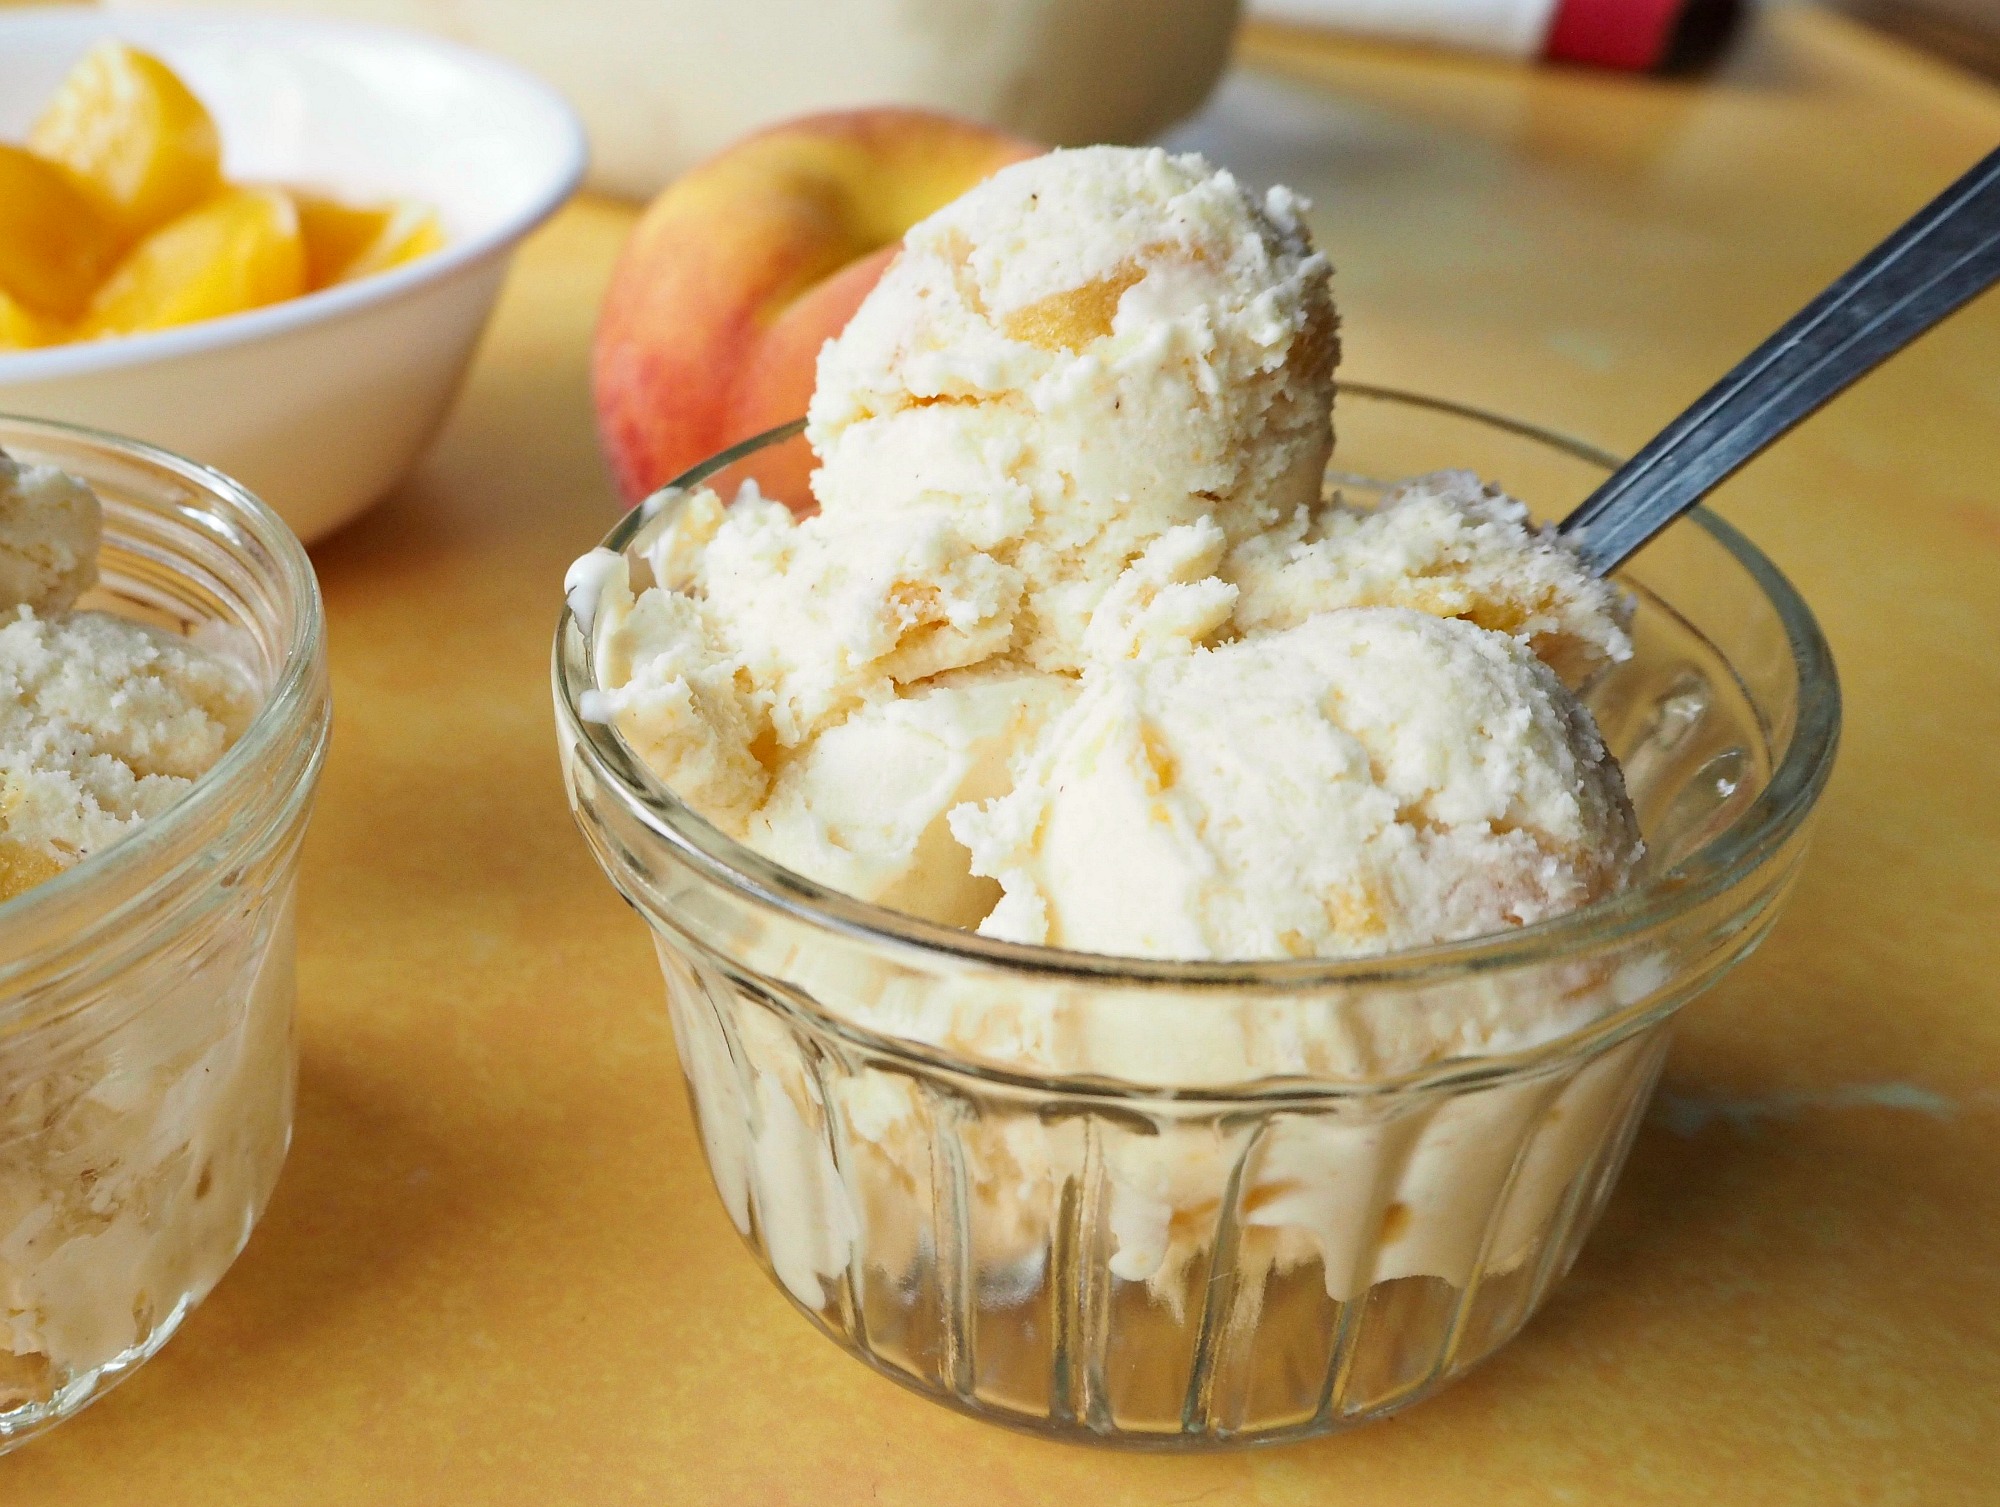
(240, 250)
(349, 241)
(22, 867)
(335, 233)
(742, 269)
(134, 136)
(411, 231)
(54, 245)
(22, 329)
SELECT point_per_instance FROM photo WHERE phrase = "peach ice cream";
(1075, 652)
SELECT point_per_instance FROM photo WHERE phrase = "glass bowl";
(965, 1161)
(146, 1052)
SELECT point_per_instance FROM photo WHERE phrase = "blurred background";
(665, 83)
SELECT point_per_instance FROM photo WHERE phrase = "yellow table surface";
(495, 1270)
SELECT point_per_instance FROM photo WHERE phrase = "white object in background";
(1515, 27)
(663, 84)
(320, 404)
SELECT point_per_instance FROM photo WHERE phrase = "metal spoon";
(1943, 256)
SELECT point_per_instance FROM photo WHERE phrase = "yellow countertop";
(495, 1270)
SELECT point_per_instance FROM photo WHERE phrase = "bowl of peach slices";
(266, 243)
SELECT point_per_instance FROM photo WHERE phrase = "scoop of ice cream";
(1445, 544)
(822, 614)
(864, 809)
(104, 723)
(1089, 349)
(804, 685)
(50, 523)
(762, 631)
(1075, 651)
(1369, 779)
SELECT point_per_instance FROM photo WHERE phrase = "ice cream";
(49, 528)
(1062, 368)
(808, 687)
(1370, 779)
(1444, 544)
(1088, 350)
(104, 722)
(1078, 653)
(861, 809)
(142, 1123)
(1074, 650)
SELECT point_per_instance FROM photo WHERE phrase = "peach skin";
(744, 267)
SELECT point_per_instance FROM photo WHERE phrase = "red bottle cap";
(1634, 34)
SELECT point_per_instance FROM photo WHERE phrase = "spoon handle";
(1943, 256)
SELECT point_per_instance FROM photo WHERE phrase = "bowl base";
(20, 1424)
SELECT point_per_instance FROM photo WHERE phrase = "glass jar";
(965, 1161)
(146, 1048)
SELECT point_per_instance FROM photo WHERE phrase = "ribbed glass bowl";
(146, 1048)
(972, 1165)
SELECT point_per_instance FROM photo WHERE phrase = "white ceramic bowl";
(318, 405)
(666, 83)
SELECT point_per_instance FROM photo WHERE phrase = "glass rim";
(1725, 860)
(285, 710)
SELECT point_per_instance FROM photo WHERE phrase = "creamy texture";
(133, 1161)
(1075, 651)
(132, 1157)
(104, 722)
(768, 637)
(1086, 351)
(1011, 420)
(1443, 544)
(50, 524)
(865, 809)
(1382, 778)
